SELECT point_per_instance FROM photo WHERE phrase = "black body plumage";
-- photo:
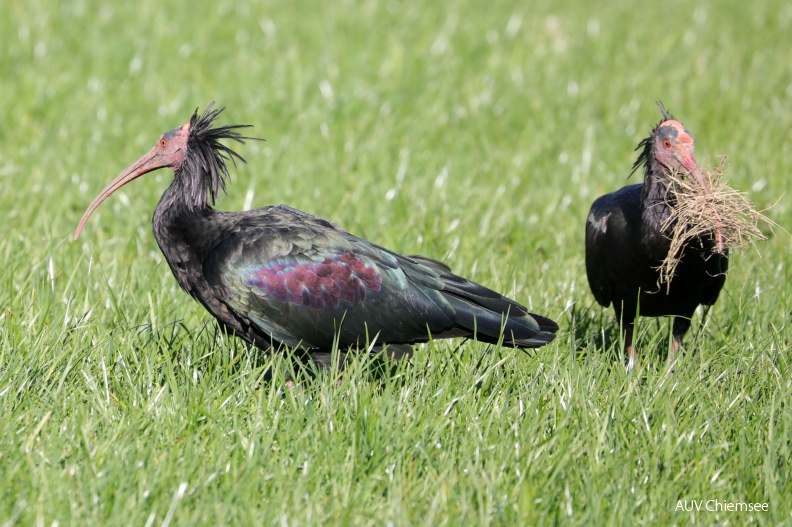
(626, 243)
(277, 276)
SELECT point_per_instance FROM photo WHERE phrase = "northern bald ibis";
(626, 245)
(277, 276)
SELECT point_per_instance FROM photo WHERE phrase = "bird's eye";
(163, 142)
(666, 143)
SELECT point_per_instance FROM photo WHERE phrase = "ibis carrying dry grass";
(628, 240)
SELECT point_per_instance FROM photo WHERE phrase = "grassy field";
(473, 132)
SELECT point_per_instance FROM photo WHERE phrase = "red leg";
(628, 324)
(632, 353)
(681, 325)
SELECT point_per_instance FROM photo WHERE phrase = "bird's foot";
(671, 359)
(669, 362)
(632, 358)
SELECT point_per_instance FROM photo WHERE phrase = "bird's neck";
(181, 228)
(655, 212)
(656, 196)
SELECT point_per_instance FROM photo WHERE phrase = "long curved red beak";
(148, 163)
(688, 161)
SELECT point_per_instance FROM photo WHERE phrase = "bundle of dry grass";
(724, 214)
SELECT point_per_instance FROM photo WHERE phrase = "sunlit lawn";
(477, 133)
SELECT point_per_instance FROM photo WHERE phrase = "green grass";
(473, 132)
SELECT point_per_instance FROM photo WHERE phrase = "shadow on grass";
(595, 329)
(211, 348)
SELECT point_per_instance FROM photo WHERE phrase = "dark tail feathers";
(484, 313)
(520, 329)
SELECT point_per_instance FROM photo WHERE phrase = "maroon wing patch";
(316, 285)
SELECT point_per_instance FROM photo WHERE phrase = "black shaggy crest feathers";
(646, 145)
(205, 170)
